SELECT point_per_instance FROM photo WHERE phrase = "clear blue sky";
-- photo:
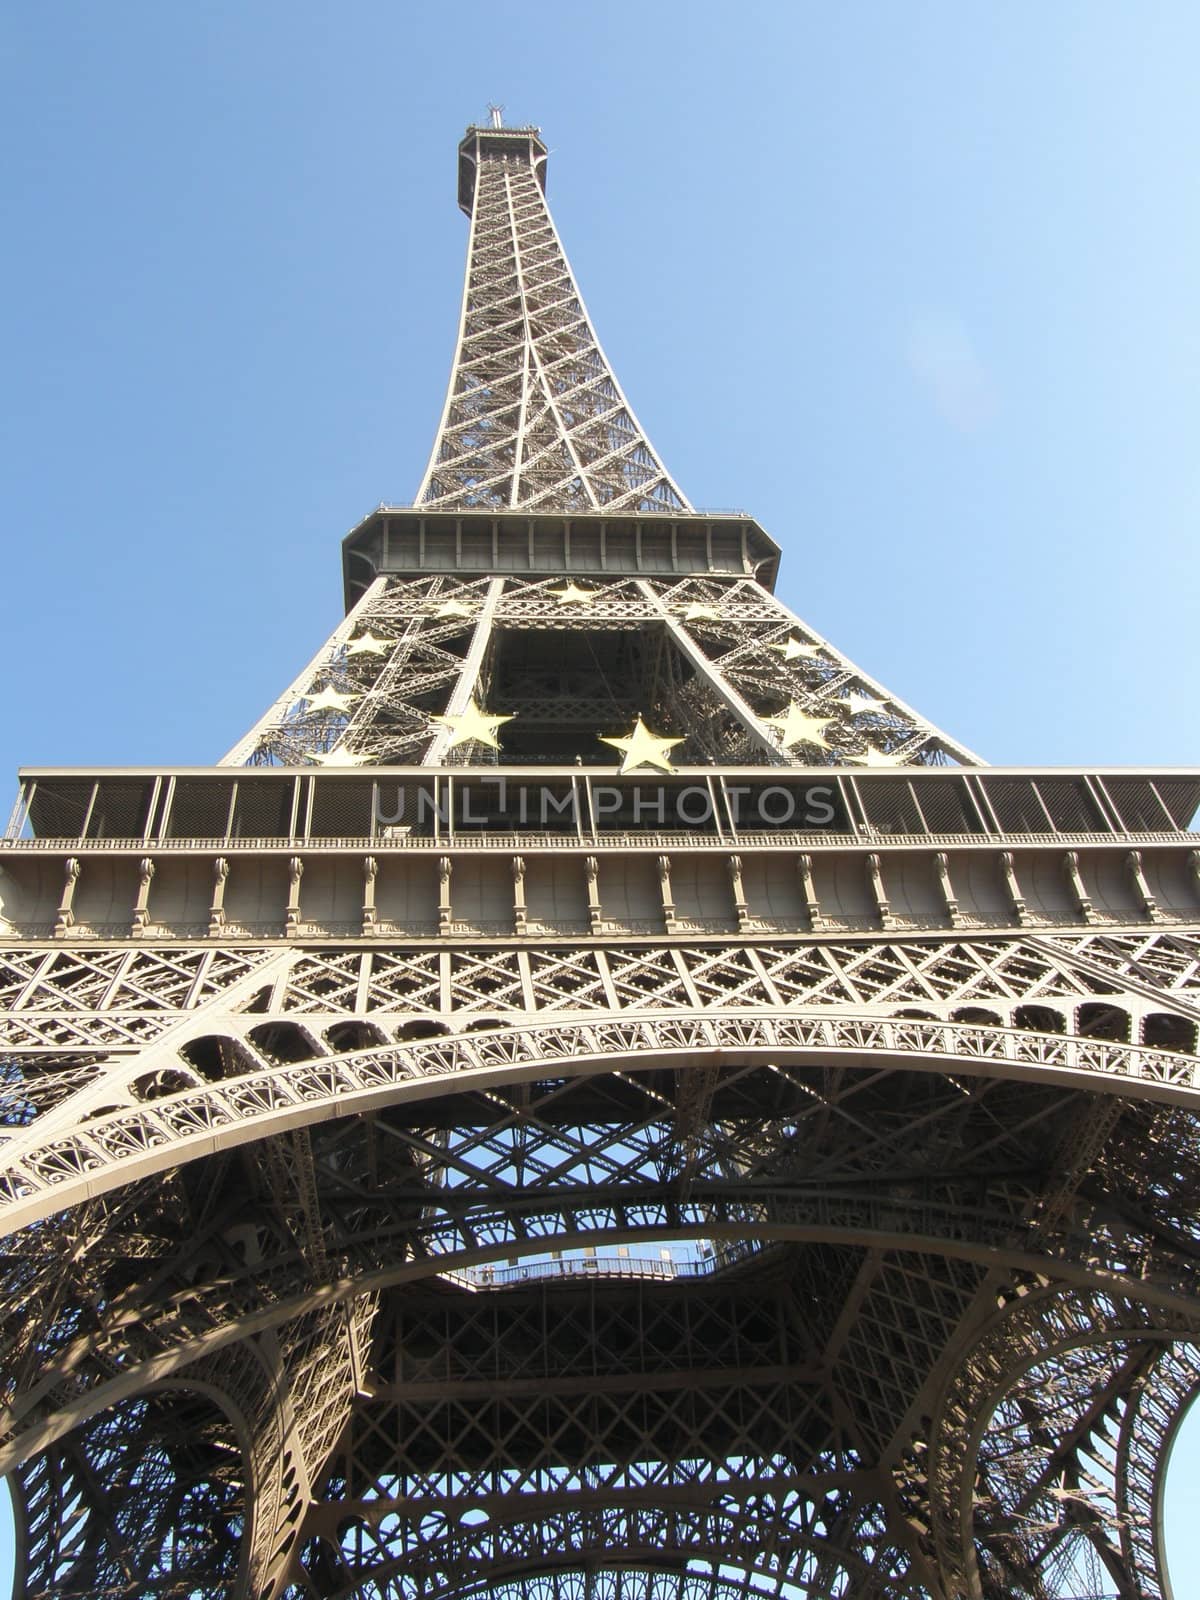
(918, 285)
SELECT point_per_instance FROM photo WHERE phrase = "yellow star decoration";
(795, 648)
(329, 699)
(473, 723)
(797, 727)
(452, 608)
(573, 595)
(339, 756)
(857, 703)
(368, 645)
(871, 757)
(697, 612)
(643, 749)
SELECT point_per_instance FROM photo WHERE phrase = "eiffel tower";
(593, 1098)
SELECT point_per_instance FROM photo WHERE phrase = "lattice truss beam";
(534, 416)
(64, 1010)
(903, 1133)
(570, 1462)
(708, 659)
(1066, 1402)
(810, 1486)
(319, 1277)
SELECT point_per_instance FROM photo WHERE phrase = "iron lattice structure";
(441, 1160)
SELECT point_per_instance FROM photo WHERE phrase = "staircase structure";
(593, 1098)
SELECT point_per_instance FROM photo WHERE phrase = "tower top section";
(534, 418)
(518, 145)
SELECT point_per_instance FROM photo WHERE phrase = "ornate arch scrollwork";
(119, 1143)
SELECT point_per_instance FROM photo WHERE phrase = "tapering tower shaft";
(534, 415)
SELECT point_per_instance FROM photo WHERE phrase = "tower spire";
(534, 416)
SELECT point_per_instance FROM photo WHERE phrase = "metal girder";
(653, 1214)
(462, 694)
(534, 415)
(379, 700)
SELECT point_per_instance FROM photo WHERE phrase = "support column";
(295, 1387)
(704, 669)
(464, 689)
(591, 872)
(1133, 862)
(445, 913)
(141, 904)
(741, 909)
(946, 885)
(809, 890)
(1008, 869)
(241, 752)
(66, 917)
(216, 911)
(875, 884)
(520, 914)
(1075, 881)
(664, 885)
(370, 873)
(292, 920)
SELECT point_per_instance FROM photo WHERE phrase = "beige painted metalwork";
(593, 1098)
(534, 415)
